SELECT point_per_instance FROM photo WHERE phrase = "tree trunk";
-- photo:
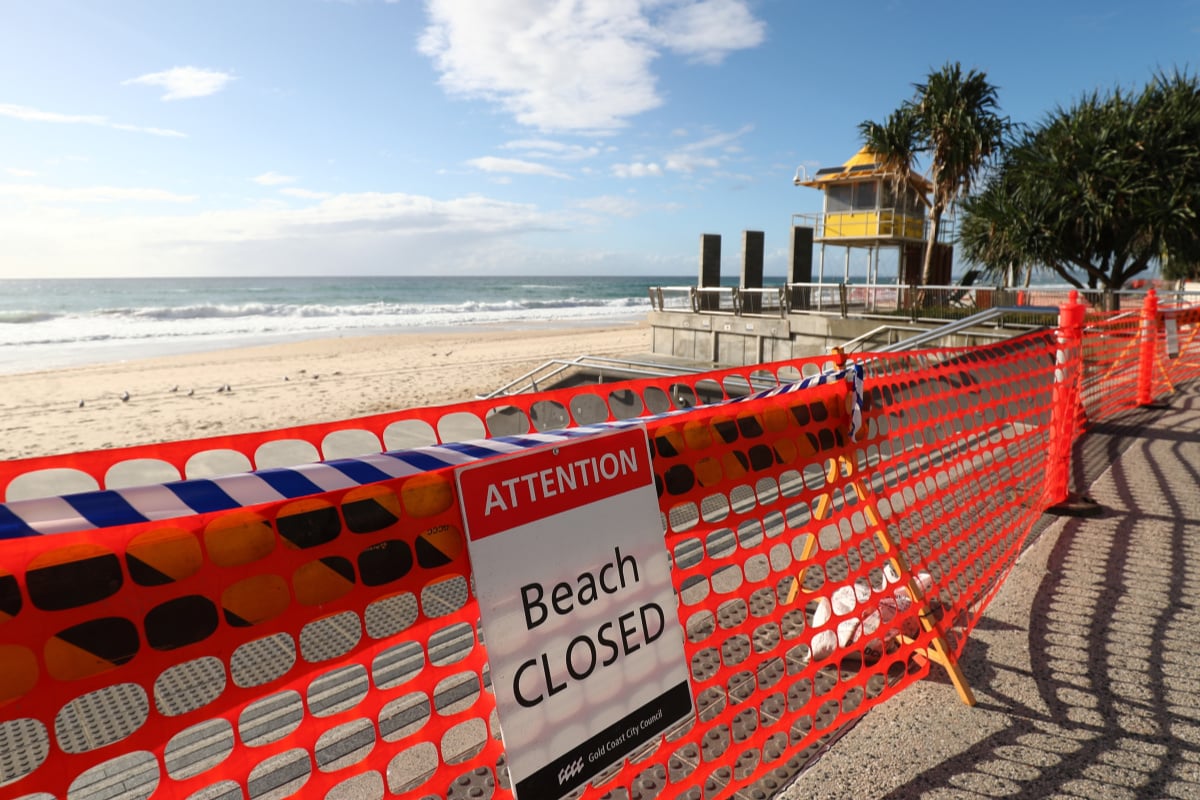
(935, 224)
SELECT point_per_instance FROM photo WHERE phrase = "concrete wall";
(730, 340)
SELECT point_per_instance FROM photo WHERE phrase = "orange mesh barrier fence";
(1111, 343)
(1135, 356)
(1176, 359)
(327, 645)
(512, 415)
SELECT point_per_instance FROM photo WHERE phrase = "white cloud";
(711, 29)
(516, 167)
(273, 179)
(562, 65)
(610, 205)
(20, 173)
(547, 148)
(637, 170)
(183, 83)
(690, 162)
(694, 155)
(365, 233)
(35, 194)
(726, 141)
(307, 194)
(28, 114)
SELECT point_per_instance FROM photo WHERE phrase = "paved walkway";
(1085, 667)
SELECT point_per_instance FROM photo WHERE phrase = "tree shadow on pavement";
(1112, 637)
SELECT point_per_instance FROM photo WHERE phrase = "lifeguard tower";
(868, 207)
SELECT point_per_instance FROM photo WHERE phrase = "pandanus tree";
(953, 124)
(1100, 191)
(999, 230)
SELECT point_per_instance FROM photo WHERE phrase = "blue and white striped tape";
(112, 507)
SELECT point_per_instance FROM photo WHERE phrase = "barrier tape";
(109, 508)
(512, 415)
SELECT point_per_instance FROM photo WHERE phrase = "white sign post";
(578, 610)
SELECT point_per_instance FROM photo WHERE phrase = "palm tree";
(953, 120)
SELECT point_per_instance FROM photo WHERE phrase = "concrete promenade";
(1085, 667)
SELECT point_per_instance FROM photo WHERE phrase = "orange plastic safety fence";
(512, 415)
(948, 474)
(328, 645)
(296, 646)
(1136, 356)
(1177, 350)
(1111, 348)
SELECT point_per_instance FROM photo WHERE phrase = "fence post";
(1065, 416)
(1147, 350)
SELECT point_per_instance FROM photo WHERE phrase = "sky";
(525, 137)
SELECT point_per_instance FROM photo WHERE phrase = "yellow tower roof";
(863, 165)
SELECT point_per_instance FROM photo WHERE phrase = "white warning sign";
(578, 610)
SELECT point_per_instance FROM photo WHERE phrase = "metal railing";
(766, 301)
(717, 299)
(891, 223)
(995, 316)
(917, 303)
(672, 298)
(553, 371)
(1002, 319)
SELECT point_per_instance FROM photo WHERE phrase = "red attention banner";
(500, 494)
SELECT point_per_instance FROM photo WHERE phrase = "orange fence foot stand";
(938, 650)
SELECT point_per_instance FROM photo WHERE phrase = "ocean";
(48, 324)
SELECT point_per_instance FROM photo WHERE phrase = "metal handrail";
(778, 293)
(658, 302)
(871, 334)
(889, 223)
(835, 298)
(558, 366)
(699, 292)
(815, 300)
(958, 326)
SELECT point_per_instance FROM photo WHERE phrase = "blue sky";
(319, 137)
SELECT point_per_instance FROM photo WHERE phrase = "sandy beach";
(181, 397)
